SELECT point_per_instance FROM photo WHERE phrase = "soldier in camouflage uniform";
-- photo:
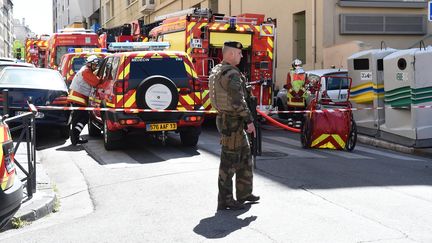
(227, 94)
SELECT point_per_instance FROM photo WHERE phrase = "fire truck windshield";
(61, 50)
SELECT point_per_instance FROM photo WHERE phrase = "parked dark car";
(11, 192)
(43, 87)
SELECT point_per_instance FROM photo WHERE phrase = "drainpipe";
(314, 48)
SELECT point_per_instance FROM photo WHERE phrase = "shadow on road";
(223, 223)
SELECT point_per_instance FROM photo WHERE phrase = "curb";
(384, 144)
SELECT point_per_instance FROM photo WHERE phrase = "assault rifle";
(255, 141)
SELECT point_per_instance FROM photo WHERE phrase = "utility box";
(367, 89)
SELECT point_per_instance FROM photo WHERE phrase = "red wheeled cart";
(329, 122)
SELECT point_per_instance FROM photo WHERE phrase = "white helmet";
(296, 63)
(92, 59)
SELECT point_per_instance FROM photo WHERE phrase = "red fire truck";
(59, 43)
(35, 49)
(202, 34)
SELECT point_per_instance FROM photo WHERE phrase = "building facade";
(322, 33)
(21, 30)
(90, 10)
(67, 13)
(6, 28)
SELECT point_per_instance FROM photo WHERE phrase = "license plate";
(161, 127)
(38, 115)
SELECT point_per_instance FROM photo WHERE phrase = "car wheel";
(64, 131)
(352, 137)
(281, 108)
(112, 139)
(93, 130)
(157, 92)
(190, 136)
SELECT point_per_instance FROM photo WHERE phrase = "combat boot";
(231, 205)
(250, 198)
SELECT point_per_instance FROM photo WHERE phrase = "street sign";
(429, 11)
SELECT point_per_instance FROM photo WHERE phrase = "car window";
(115, 65)
(77, 63)
(173, 68)
(32, 78)
(108, 69)
(101, 67)
(337, 81)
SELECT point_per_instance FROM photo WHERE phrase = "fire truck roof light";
(138, 46)
(76, 50)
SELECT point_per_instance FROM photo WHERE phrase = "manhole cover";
(273, 154)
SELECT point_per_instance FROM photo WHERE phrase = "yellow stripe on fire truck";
(125, 71)
(270, 48)
(190, 70)
(206, 99)
(131, 100)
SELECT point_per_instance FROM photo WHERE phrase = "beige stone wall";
(324, 45)
(123, 13)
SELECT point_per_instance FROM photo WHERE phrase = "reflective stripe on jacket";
(81, 86)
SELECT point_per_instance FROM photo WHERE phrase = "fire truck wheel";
(281, 108)
(352, 137)
(157, 92)
(64, 131)
(190, 136)
(93, 130)
(305, 134)
(112, 139)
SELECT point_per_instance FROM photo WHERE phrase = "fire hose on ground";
(276, 123)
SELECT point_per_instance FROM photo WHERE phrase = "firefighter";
(296, 92)
(79, 92)
(234, 120)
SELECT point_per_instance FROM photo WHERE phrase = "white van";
(334, 83)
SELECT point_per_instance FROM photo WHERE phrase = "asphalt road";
(153, 193)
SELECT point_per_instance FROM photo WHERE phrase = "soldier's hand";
(251, 129)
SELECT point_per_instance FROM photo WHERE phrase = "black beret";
(233, 44)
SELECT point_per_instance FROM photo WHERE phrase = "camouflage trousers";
(236, 160)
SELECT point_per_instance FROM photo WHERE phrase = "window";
(173, 68)
(300, 36)
(109, 10)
